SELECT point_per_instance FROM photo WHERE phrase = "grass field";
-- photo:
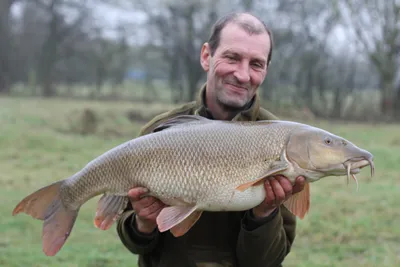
(40, 143)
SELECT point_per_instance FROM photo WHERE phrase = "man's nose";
(242, 73)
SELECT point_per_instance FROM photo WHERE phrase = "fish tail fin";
(37, 203)
(57, 227)
(45, 204)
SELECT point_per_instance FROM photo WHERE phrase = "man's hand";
(146, 209)
(278, 189)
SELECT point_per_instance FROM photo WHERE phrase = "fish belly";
(234, 200)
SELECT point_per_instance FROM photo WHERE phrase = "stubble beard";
(230, 105)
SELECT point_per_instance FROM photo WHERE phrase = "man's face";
(238, 67)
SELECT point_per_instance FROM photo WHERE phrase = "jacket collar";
(250, 112)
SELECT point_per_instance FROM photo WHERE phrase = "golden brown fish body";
(191, 163)
(195, 164)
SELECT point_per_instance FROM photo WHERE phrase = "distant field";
(41, 142)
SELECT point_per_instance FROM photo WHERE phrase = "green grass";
(39, 144)
(350, 228)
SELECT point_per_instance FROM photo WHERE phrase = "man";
(236, 59)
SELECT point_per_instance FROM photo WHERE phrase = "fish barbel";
(194, 164)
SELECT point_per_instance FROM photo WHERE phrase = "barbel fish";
(194, 164)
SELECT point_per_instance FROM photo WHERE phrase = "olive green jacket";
(218, 239)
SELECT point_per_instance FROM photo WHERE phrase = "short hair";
(249, 27)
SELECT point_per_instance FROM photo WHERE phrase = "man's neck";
(219, 112)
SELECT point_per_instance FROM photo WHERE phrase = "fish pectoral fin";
(109, 208)
(275, 168)
(299, 204)
(171, 217)
(182, 228)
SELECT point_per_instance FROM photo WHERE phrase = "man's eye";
(258, 65)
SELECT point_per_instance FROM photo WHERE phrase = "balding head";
(248, 22)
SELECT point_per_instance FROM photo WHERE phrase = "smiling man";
(236, 65)
(236, 59)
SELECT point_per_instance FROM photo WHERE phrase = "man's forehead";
(236, 39)
(235, 28)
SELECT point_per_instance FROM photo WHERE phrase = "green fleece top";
(218, 239)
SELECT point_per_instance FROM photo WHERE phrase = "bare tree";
(5, 45)
(58, 32)
(376, 24)
(179, 29)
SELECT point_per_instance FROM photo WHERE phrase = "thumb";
(135, 194)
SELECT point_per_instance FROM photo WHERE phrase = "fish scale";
(194, 148)
(208, 158)
(194, 164)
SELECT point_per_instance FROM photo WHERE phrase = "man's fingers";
(154, 208)
(153, 216)
(270, 199)
(299, 185)
(144, 203)
(286, 185)
(278, 190)
(135, 193)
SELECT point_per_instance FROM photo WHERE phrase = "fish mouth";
(354, 165)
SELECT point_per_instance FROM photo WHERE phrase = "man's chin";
(232, 104)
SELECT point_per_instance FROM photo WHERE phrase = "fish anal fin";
(274, 169)
(183, 227)
(299, 203)
(172, 216)
(109, 208)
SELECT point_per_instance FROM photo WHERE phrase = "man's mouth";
(237, 87)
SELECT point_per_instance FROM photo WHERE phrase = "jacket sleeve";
(133, 240)
(266, 242)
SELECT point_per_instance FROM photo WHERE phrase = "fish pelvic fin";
(299, 204)
(45, 204)
(109, 208)
(183, 227)
(178, 219)
(274, 169)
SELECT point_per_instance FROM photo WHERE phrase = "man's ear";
(205, 56)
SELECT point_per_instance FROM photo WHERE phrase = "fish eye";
(328, 140)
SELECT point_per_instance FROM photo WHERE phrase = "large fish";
(194, 164)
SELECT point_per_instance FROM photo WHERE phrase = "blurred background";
(337, 59)
(78, 77)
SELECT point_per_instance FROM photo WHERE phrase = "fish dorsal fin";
(274, 169)
(179, 120)
(299, 204)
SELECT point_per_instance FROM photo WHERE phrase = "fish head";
(320, 153)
